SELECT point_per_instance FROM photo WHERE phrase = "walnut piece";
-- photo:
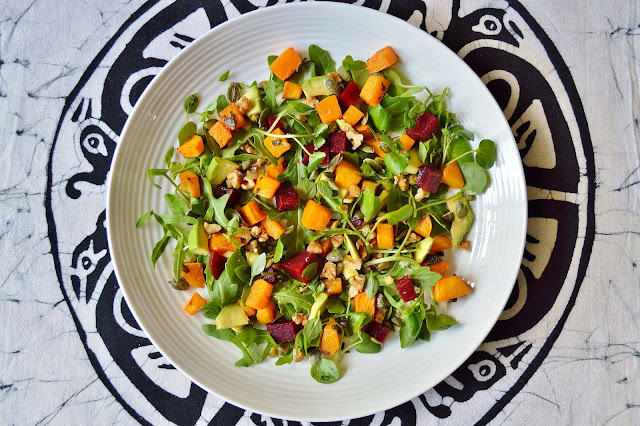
(337, 240)
(234, 179)
(314, 247)
(329, 271)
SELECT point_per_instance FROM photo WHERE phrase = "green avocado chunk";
(231, 316)
(218, 170)
(463, 219)
(322, 85)
(198, 239)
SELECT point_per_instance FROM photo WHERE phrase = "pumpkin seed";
(365, 119)
(396, 321)
(334, 162)
(377, 167)
(181, 284)
(333, 126)
(461, 210)
(261, 85)
(314, 357)
(273, 352)
(449, 217)
(329, 175)
(344, 74)
(469, 197)
(332, 185)
(283, 348)
(381, 302)
(331, 86)
(385, 147)
(233, 92)
(263, 119)
(336, 255)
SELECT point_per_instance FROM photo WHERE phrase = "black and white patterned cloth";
(565, 350)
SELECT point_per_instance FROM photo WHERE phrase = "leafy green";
(222, 102)
(270, 95)
(397, 216)
(224, 76)
(258, 265)
(322, 59)
(396, 162)
(230, 336)
(326, 371)
(311, 332)
(314, 160)
(237, 269)
(440, 322)
(410, 329)
(372, 285)
(291, 301)
(277, 255)
(380, 117)
(189, 129)
(191, 103)
(475, 178)
(366, 345)
(486, 153)
(370, 204)
(424, 277)
(223, 291)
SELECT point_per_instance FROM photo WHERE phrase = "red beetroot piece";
(311, 148)
(234, 196)
(426, 126)
(429, 178)
(338, 143)
(283, 331)
(286, 199)
(405, 288)
(357, 222)
(349, 95)
(280, 124)
(269, 275)
(376, 330)
(297, 263)
(216, 263)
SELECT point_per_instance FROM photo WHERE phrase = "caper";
(336, 255)
(181, 284)
(461, 210)
(385, 147)
(233, 92)
(314, 357)
(209, 123)
(263, 119)
(344, 74)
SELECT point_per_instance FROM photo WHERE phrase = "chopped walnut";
(212, 228)
(249, 149)
(413, 238)
(234, 179)
(333, 224)
(335, 76)
(401, 182)
(252, 246)
(263, 237)
(248, 183)
(314, 247)
(388, 280)
(244, 234)
(351, 263)
(256, 165)
(362, 249)
(311, 101)
(465, 245)
(298, 354)
(356, 284)
(337, 240)
(355, 138)
(244, 104)
(300, 319)
(352, 194)
(255, 231)
(329, 271)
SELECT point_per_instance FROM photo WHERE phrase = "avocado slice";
(462, 220)
(253, 94)
(231, 316)
(198, 239)
(319, 305)
(422, 249)
(218, 170)
(414, 162)
(251, 257)
(322, 85)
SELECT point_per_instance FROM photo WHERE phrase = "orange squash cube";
(277, 146)
(363, 303)
(291, 90)
(330, 340)
(273, 170)
(192, 147)
(195, 303)
(266, 187)
(333, 286)
(364, 130)
(347, 174)
(232, 117)
(193, 273)
(252, 213)
(440, 243)
(375, 144)
(374, 89)
(352, 115)
(382, 59)
(273, 228)
(189, 182)
(221, 134)
(407, 142)
(384, 236)
(424, 226)
(286, 64)
(266, 315)
(259, 294)
(220, 243)
(440, 267)
(452, 176)
(315, 216)
(329, 109)
(449, 288)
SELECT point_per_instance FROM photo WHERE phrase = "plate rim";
(239, 20)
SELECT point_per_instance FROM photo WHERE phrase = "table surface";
(567, 347)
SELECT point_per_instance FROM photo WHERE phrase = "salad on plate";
(314, 209)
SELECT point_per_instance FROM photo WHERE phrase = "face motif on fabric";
(514, 58)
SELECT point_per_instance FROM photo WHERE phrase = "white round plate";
(369, 382)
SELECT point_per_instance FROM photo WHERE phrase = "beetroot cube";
(376, 330)
(349, 95)
(269, 275)
(338, 143)
(233, 198)
(297, 263)
(405, 288)
(429, 178)
(426, 126)
(280, 124)
(357, 222)
(283, 331)
(216, 263)
(286, 199)
(311, 148)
